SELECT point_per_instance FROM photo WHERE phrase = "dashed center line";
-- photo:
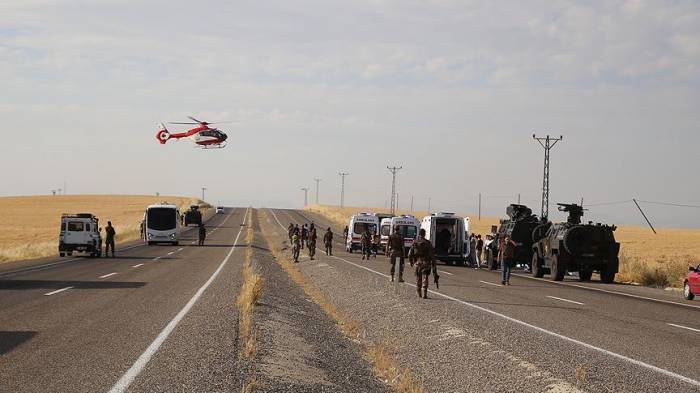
(108, 275)
(684, 327)
(446, 272)
(156, 258)
(180, 249)
(57, 291)
(171, 253)
(490, 283)
(565, 300)
(139, 265)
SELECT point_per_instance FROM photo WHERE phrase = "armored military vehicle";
(519, 225)
(193, 216)
(575, 247)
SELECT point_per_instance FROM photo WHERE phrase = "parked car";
(219, 210)
(691, 286)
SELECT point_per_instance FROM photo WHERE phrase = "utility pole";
(479, 206)
(306, 195)
(518, 198)
(317, 180)
(397, 201)
(203, 189)
(547, 143)
(342, 188)
(411, 203)
(428, 205)
(394, 170)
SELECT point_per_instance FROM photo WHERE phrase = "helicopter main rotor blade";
(198, 121)
(196, 124)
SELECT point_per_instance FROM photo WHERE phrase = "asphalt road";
(629, 338)
(164, 319)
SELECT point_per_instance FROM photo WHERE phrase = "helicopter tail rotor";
(162, 135)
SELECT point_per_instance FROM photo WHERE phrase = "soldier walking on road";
(290, 232)
(346, 232)
(109, 238)
(421, 255)
(202, 234)
(328, 241)
(479, 250)
(395, 249)
(366, 243)
(312, 241)
(296, 244)
(304, 235)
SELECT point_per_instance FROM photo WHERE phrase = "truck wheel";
(607, 274)
(537, 270)
(585, 275)
(687, 294)
(149, 243)
(62, 254)
(70, 254)
(558, 269)
(176, 243)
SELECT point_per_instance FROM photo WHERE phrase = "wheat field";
(30, 225)
(660, 260)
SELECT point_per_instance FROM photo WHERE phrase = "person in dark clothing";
(202, 234)
(507, 257)
(109, 238)
(311, 242)
(328, 241)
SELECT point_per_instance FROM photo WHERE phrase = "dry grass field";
(30, 225)
(657, 260)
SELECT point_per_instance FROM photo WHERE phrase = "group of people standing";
(304, 236)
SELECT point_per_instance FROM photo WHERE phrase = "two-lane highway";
(83, 325)
(655, 336)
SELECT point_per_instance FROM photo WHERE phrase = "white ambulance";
(408, 227)
(358, 223)
(384, 233)
(446, 232)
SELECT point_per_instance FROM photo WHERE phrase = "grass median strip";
(385, 366)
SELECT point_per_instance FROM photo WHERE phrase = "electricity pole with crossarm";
(547, 143)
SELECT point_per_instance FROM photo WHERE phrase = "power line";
(609, 203)
(670, 204)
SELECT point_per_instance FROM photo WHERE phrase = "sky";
(452, 91)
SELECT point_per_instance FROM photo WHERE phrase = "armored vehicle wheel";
(62, 254)
(585, 275)
(558, 269)
(687, 294)
(537, 270)
(607, 275)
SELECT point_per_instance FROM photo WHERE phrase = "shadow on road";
(11, 340)
(50, 284)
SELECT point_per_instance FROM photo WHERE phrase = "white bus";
(161, 224)
(446, 232)
(358, 223)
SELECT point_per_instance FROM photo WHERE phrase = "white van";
(384, 233)
(408, 227)
(357, 226)
(80, 233)
(446, 233)
(161, 224)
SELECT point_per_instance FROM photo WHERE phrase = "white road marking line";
(138, 366)
(684, 327)
(108, 275)
(446, 272)
(156, 258)
(180, 249)
(139, 265)
(537, 328)
(171, 253)
(566, 300)
(57, 291)
(491, 283)
(607, 291)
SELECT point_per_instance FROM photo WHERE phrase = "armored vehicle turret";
(575, 247)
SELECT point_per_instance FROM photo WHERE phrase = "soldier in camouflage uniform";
(421, 255)
(395, 249)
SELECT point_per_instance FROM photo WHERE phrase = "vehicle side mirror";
(691, 269)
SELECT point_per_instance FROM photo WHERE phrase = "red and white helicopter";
(203, 135)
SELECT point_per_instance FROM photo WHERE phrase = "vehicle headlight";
(150, 235)
(172, 236)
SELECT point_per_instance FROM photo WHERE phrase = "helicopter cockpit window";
(208, 133)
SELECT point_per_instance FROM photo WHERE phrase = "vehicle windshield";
(360, 227)
(76, 226)
(408, 231)
(162, 219)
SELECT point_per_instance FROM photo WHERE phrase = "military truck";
(575, 247)
(193, 216)
(520, 226)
